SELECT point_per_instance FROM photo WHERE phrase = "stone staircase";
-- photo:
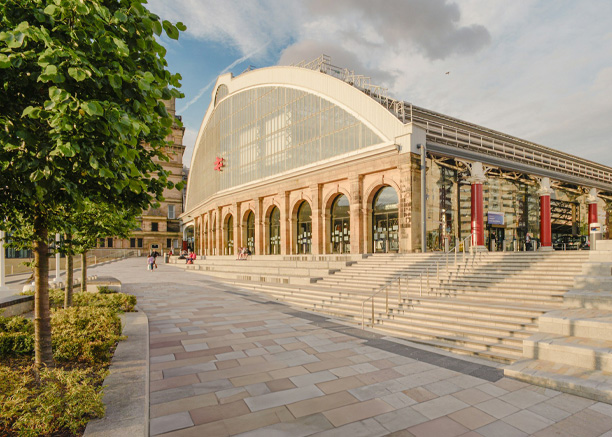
(572, 351)
(485, 304)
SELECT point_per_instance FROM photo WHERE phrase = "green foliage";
(85, 334)
(52, 401)
(117, 302)
(16, 336)
(16, 324)
(103, 289)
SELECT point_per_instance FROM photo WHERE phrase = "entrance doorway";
(340, 225)
(304, 228)
(385, 221)
(497, 235)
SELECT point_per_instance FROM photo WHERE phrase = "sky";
(540, 70)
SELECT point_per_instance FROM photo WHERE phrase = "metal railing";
(423, 278)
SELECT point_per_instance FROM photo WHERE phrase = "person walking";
(151, 262)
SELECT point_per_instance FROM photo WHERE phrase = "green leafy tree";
(82, 117)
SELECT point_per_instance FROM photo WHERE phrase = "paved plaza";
(224, 361)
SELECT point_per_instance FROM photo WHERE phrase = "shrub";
(115, 301)
(16, 336)
(85, 334)
(52, 401)
(103, 289)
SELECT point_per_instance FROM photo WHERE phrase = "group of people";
(243, 253)
(152, 260)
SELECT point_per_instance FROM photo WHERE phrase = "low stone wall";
(16, 305)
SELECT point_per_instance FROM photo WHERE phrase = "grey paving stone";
(195, 347)
(270, 400)
(527, 421)
(500, 429)
(440, 406)
(172, 422)
(400, 419)
(313, 378)
(301, 427)
(364, 428)
(188, 370)
(162, 359)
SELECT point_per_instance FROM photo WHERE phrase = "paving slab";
(224, 361)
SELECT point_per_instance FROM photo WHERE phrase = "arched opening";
(229, 235)
(274, 242)
(340, 225)
(385, 223)
(250, 232)
(304, 228)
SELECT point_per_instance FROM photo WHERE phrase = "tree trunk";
(84, 272)
(42, 314)
(69, 273)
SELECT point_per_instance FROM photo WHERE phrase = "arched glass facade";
(274, 241)
(385, 221)
(304, 228)
(265, 131)
(250, 232)
(340, 234)
(229, 236)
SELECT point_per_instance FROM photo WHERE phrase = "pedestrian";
(150, 262)
(527, 242)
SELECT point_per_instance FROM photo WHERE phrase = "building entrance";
(304, 228)
(340, 225)
(497, 235)
(274, 243)
(385, 221)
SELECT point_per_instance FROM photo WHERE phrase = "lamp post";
(3, 286)
(57, 257)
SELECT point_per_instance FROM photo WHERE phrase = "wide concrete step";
(591, 384)
(588, 299)
(590, 354)
(589, 323)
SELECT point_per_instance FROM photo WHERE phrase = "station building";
(314, 159)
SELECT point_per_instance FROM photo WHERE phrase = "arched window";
(250, 232)
(275, 237)
(340, 225)
(304, 228)
(385, 223)
(229, 235)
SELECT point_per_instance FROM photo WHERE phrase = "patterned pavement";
(226, 362)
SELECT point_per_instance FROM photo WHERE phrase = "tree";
(83, 83)
(93, 222)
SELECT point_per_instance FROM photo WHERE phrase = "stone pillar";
(219, 242)
(260, 242)
(357, 236)
(405, 205)
(592, 201)
(237, 227)
(477, 178)
(317, 225)
(545, 227)
(285, 225)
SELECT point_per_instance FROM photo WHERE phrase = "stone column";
(405, 205)
(592, 201)
(237, 227)
(285, 225)
(219, 242)
(317, 228)
(260, 243)
(545, 227)
(357, 235)
(477, 178)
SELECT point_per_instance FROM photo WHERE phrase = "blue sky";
(540, 70)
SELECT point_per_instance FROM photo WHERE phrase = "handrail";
(456, 246)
